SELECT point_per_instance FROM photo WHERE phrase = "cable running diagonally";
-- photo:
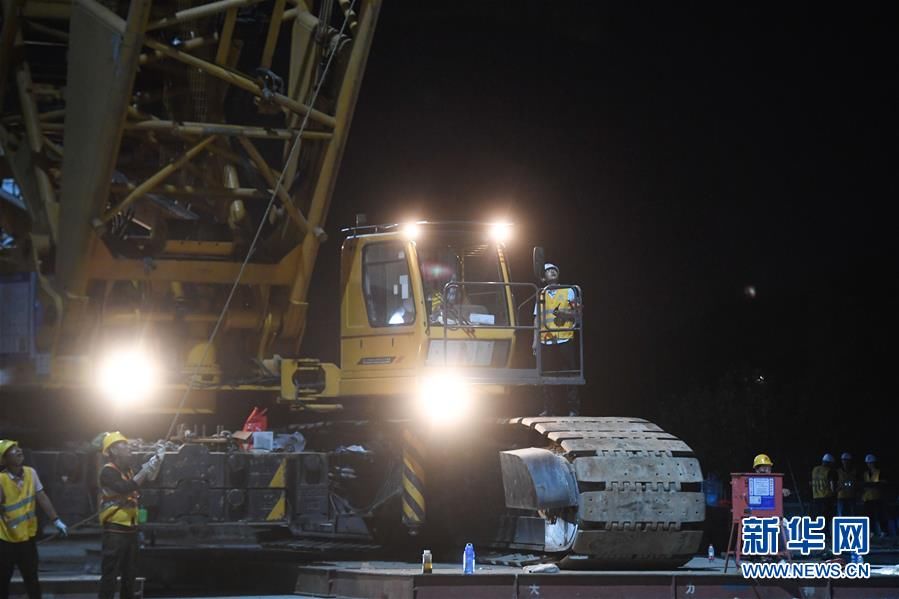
(293, 150)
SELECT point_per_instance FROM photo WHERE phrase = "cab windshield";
(451, 258)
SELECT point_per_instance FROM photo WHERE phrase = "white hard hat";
(870, 458)
(827, 458)
(846, 456)
(549, 265)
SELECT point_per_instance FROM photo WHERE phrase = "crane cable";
(293, 150)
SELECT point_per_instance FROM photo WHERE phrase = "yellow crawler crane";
(168, 168)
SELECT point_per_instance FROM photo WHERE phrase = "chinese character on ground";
(761, 536)
(850, 535)
(806, 534)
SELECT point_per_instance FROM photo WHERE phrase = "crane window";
(456, 258)
(388, 293)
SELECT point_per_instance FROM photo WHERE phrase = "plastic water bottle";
(468, 559)
(426, 562)
(711, 553)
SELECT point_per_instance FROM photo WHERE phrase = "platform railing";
(453, 319)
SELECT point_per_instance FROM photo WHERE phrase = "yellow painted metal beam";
(243, 82)
(274, 28)
(195, 128)
(221, 55)
(236, 193)
(103, 57)
(199, 12)
(191, 44)
(105, 267)
(157, 178)
(48, 207)
(294, 321)
(285, 198)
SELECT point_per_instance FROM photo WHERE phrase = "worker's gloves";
(61, 527)
(154, 465)
(150, 470)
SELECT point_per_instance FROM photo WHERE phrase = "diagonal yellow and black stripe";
(413, 480)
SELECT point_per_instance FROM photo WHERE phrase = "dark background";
(667, 157)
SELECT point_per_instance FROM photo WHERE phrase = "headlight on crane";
(411, 231)
(127, 375)
(444, 398)
(501, 232)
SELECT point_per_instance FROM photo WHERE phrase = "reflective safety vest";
(18, 520)
(872, 493)
(821, 477)
(116, 508)
(552, 300)
(436, 302)
(848, 479)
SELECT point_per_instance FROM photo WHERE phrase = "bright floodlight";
(501, 232)
(444, 398)
(127, 376)
(411, 231)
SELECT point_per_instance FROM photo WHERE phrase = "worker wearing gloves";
(20, 488)
(556, 309)
(119, 497)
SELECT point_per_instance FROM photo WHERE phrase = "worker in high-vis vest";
(872, 495)
(20, 490)
(847, 486)
(824, 489)
(119, 506)
(557, 309)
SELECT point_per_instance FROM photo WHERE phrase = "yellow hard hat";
(113, 437)
(762, 459)
(6, 445)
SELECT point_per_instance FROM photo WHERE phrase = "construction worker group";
(845, 490)
(836, 491)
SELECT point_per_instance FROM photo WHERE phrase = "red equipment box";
(756, 495)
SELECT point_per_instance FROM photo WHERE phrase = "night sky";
(666, 156)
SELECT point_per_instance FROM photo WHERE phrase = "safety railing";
(453, 318)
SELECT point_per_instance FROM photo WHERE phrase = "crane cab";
(420, 298)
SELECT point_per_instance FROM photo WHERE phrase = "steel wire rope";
(293, 150)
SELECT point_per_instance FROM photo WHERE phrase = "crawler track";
(640, 502)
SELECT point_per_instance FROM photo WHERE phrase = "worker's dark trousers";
(23, 555)
(827, 507)
(846, 506)
(119, 559)
(874, 511)
(555, 358)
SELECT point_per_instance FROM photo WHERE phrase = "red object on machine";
(755, 495)
(256, 421)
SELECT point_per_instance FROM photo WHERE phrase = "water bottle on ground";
(468, 559)
(711, 553)
(426, 562)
